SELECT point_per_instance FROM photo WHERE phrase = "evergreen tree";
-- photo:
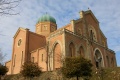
(3, 70)
(76, 67)
(30, 70)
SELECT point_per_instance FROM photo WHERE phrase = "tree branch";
(7, 7)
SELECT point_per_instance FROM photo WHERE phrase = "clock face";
(19, 42)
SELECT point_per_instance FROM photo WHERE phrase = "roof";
(46, 18)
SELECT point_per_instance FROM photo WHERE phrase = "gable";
(91, 20)
(91, 15)
(18, 31)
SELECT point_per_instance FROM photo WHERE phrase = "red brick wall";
(76, 41)
(17, 51)
(40, 57)
(36, 41)
(91, 21)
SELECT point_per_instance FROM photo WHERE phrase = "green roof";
(46, 18)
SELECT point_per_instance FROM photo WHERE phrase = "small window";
(22, 58)
(14, 60)
(108, 63)
(45, 27)
(72, 49)
(112, 62)
(91, 34)
(42, 57)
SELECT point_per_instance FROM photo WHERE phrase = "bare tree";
(7, 7)
(2, 56)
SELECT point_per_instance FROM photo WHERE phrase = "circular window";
(19, 42)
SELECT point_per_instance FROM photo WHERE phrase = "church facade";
(48, 46)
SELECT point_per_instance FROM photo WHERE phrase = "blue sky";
(106, 11)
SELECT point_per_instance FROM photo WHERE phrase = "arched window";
(42, 57)
(92, 33)
(108, 62)
(81, 51)
(98, 59)
(112, 62)
(71, 50)
(21, 58)
(14, 60)
(45, 27)
(57, 56)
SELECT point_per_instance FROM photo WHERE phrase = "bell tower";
(45, 25)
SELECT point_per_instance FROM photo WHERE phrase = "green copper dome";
(46, 18)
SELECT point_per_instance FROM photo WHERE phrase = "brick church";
(47, 46)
